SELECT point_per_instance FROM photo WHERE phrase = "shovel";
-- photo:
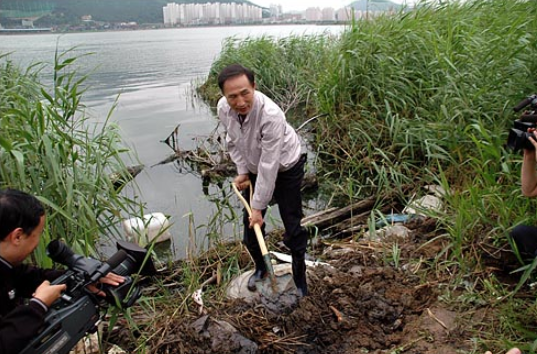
(259, 236)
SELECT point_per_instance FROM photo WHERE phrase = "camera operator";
(25, 291)
(525, 236)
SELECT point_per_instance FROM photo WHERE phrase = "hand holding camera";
(76, 312)
(109, 279)
(47, 293)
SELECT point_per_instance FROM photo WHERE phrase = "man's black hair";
(234, 70)
(18, 209)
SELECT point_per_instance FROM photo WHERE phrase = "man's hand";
(110, 279)
(240, 182)
(256, 218)
(47, 293)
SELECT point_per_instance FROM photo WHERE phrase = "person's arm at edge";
(529, 173)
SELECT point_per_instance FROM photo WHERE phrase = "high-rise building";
(328, 14)
(276, 10)
(313, 14)
(210, 13)
(345, 14)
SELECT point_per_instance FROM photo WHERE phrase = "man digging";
(268, 154)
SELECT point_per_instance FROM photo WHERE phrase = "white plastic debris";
(197, 297)
(289, 259)
(428, 202)
(395, 231)
(432, 201)
(438, 191)
(116, 350)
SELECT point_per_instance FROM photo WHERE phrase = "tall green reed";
(50, 148)
(410, 85)
(287, 69)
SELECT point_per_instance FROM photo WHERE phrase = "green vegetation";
(50, 149)
(419, 98)
(288, 69)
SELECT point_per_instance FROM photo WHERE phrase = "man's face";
(239, 93)
(28, 243)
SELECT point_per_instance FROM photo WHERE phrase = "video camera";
(518, 135)
(76, 312)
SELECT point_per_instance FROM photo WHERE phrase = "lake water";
(153, 73)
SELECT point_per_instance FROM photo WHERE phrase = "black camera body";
(77, 311)
(518, 138)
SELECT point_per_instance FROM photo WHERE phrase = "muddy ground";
(366, 301)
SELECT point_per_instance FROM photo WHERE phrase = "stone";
(223, 336)
(277, 297)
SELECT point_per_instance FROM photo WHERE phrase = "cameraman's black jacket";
(20, 321)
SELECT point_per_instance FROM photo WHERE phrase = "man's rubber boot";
(260, 268)
(255, 277)
(299, 273)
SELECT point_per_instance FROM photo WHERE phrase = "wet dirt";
(367, 300)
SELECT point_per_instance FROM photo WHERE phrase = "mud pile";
(364, 301)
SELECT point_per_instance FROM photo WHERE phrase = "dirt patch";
(368, 300)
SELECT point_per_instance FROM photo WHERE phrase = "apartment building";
(210, 14)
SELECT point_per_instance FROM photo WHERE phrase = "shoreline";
(16, 31)
(24, 30)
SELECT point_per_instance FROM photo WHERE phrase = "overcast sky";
(301, 5)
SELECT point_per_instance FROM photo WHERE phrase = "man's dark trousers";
(288, 196)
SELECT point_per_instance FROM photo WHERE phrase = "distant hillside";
(70, 11)
(375, 5)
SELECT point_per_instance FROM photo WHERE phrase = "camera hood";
(139, 255)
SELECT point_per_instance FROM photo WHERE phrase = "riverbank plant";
(287, 69)
(427, 89)
(416, 98)
(50, 148)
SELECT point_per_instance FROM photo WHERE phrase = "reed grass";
(413, 86)
(50, 148)
(287, 69)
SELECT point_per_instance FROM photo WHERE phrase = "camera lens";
(122, 263)
(59, 252)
